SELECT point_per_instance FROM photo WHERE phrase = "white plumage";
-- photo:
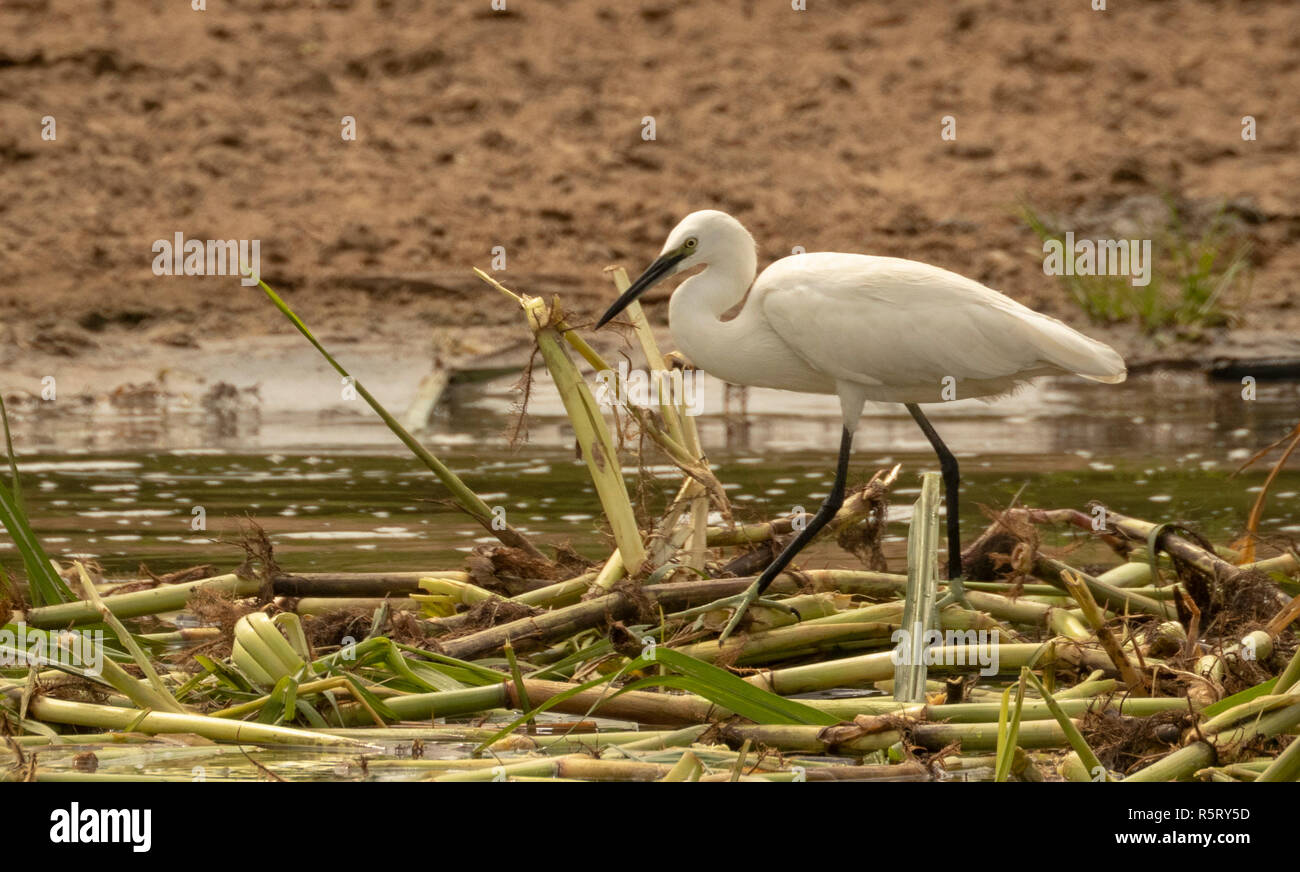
(863, 328)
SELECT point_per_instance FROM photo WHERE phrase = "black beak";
(656, 271)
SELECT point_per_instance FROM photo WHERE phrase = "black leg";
(830, 506)
(951, 479)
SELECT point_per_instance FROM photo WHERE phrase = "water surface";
(338, 492)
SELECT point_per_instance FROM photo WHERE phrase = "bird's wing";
(893, 322)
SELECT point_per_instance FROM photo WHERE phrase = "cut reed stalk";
(58, 711)
(169, 598)
(594, 440)
(921, 596)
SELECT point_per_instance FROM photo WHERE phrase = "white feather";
(863, 327)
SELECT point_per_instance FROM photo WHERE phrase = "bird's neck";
(696, 308)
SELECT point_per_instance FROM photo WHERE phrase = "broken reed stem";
(161, 695)
(681, 427)
(598, 449)
(1208, 563)
(1093, 615)
(679, 454)
(922, 590)
(464, 497)
(672, 414)
(167, 598)
(59, 711)
(664, 540)
(1117, 600)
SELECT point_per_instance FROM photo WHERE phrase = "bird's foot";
(727, 602)
(742, 604)
(956, 594)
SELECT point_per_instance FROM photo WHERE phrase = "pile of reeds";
(1178, 661)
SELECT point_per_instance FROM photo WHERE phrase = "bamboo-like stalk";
(58, 711)
(634, 705)
(1038, 709)
(1042, 733)
(161, 694)
(922, 591)
(868, 668)
(1074, 584)
(1210, 564)
(764, 646)
(1221, 744)
(625, 739)
(442, 704)
(1116, 599)
(594, 440)
(576, 766)
(1127, 575)
(1284, 563)
(619, 605)
(169, 598)
(1285, 767)
(809, 740)
(316, 605)
(357, 584)
(673, 739)
(564, 592)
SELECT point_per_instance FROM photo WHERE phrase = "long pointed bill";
(656, 271)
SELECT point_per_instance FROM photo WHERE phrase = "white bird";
(862, 328)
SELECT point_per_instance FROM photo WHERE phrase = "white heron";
(860, 327)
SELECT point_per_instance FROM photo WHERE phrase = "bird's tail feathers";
(1069, 349)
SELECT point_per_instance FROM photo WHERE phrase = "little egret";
(862, 328)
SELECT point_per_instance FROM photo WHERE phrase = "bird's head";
(698, 239)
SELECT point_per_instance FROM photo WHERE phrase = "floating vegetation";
(1175, 659)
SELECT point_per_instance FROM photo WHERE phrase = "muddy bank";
(524, 131)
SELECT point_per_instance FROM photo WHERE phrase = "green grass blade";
(45, 585)
(14, 484)
(464, 497)
(1238, 698)
(1009, 730)
(556, 700)
(743, 698)
(1072, 734)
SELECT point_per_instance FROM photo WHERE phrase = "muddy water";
(336, 491)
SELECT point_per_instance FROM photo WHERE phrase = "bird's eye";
(692, 242)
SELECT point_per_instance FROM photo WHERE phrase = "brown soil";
(523, 129)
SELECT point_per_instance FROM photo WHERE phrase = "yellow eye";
(691, 243)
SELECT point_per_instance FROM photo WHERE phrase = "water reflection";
(1155, 415)
(337, 491)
